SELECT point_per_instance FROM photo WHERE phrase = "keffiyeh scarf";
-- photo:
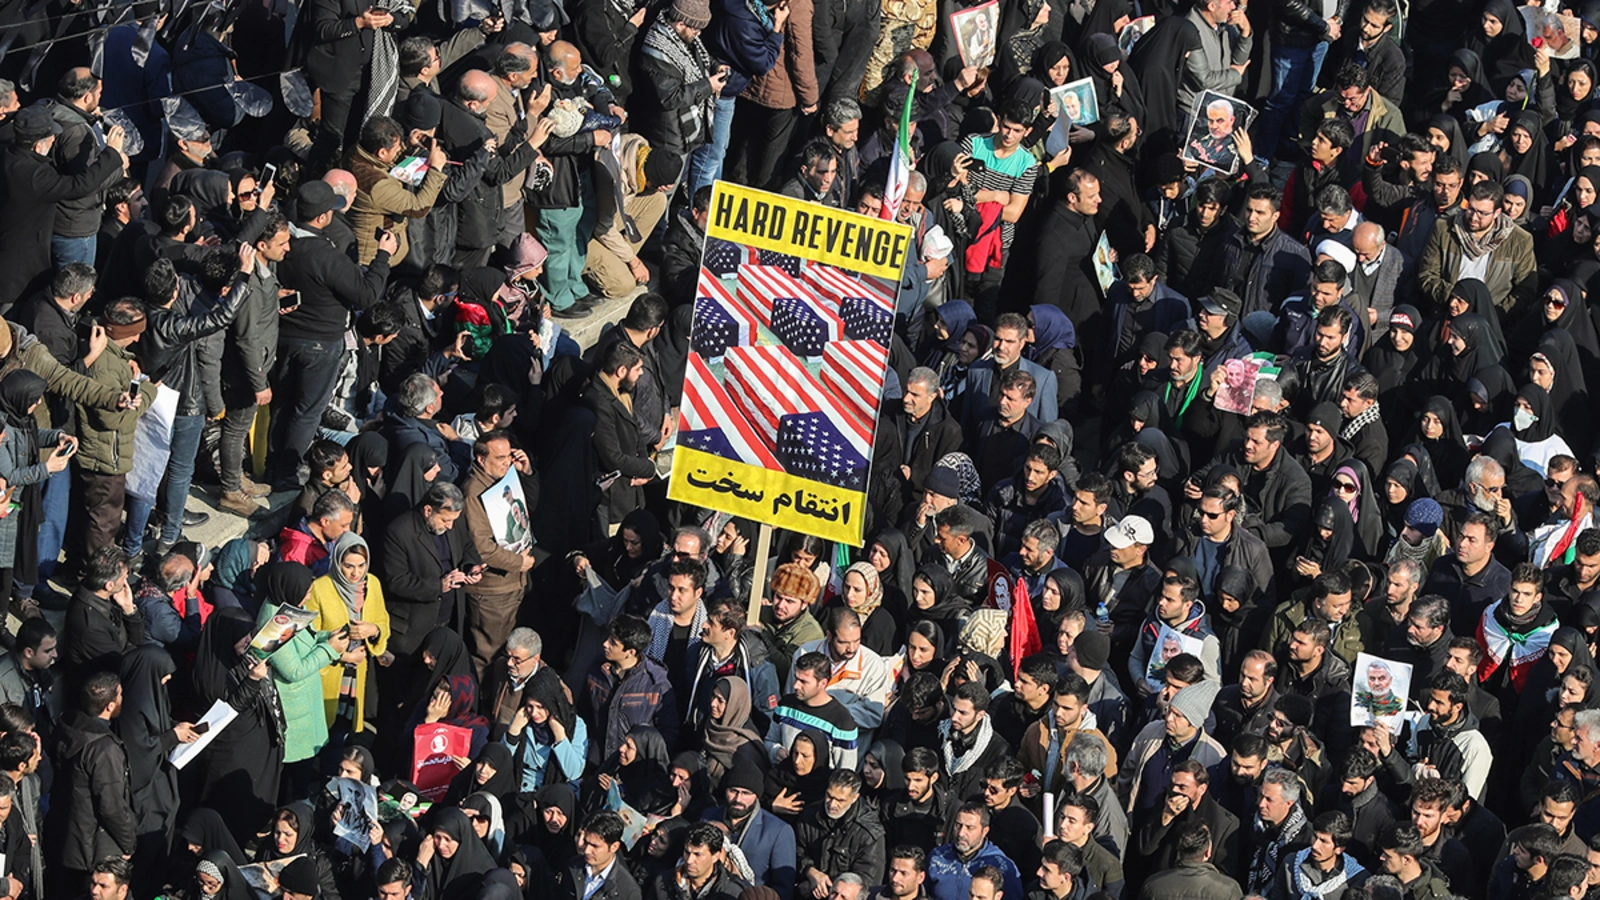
(661, 629)
(1264, 865)
(1330, 886)
(1359, 422)
(956, 763)
(1474, 247)
(692, 60)
(385, 68)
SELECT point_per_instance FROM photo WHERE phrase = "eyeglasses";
(1212, 516)
(1551, 482)
(1555, 303)
(1344, 487)
(254, 193)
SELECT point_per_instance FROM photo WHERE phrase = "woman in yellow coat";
(348, 595)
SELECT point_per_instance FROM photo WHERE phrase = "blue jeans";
(705, 163)
(1294, 73)
(180, 472)
(57, 503)
(65, 250)
(138, 516)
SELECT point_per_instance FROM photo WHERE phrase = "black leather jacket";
(171, 343)
(1299, 23)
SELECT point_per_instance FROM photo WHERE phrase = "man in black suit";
(427, 558)
(599, 839)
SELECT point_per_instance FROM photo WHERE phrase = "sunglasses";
(1555, 303)
(1551, 482)
(1212, 516)
(255, 193)
(1344, 487)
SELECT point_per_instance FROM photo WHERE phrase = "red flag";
(1025, 640)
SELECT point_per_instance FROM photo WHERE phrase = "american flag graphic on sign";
(784, 261)
(854, 371)
(767, 383)
(814, 446)
(868, 315)
(720, 321)
(801, 320)
(725, 257)
(710, 421)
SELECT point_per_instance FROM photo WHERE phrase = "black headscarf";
(369, 450)
(1481, 351)
(1330, 552)
(234, 887)
(146, 714)
(406, 479)
(459, 876)
(1501, 446)
(305, 823)
(1545, 422)
(204, 828)
(283, 583)
(1451, 128)
(1538, 165)
(947, 607)
(1158, 60)
(1449, 451)
(19, 392)
(646, 782)
(501, 784)
(809, 787)
(559, 846)
(1568, 107)
(1489, 163)
(897, 579)
(450, 658)
(1508, 52)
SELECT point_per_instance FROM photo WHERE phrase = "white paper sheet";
(219, 716)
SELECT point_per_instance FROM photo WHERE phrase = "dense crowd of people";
(1231, 524)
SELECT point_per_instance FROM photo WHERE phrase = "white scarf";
(955, 765)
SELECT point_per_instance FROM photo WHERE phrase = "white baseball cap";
(1131, 530)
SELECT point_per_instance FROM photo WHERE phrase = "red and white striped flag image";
(867, 312)
(767, 383)
(720, 321)
(790, 309)
(710, 422)
(853, 372)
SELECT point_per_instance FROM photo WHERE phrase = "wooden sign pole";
(758, 579)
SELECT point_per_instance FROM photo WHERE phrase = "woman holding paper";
(149, 734)
(240, 769)
(297, 673)
(349, 596)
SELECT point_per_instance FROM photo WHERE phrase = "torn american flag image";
(710, 421)
(720, 321)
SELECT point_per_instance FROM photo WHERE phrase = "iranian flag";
(900, 164)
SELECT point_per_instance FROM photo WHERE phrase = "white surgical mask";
(1522, 419)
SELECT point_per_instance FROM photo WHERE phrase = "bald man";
(566, 209)
(343, 183)
(464, 131)
(75, 109)
(1377, 279)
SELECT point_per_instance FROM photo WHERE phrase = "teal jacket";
(297, 673)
